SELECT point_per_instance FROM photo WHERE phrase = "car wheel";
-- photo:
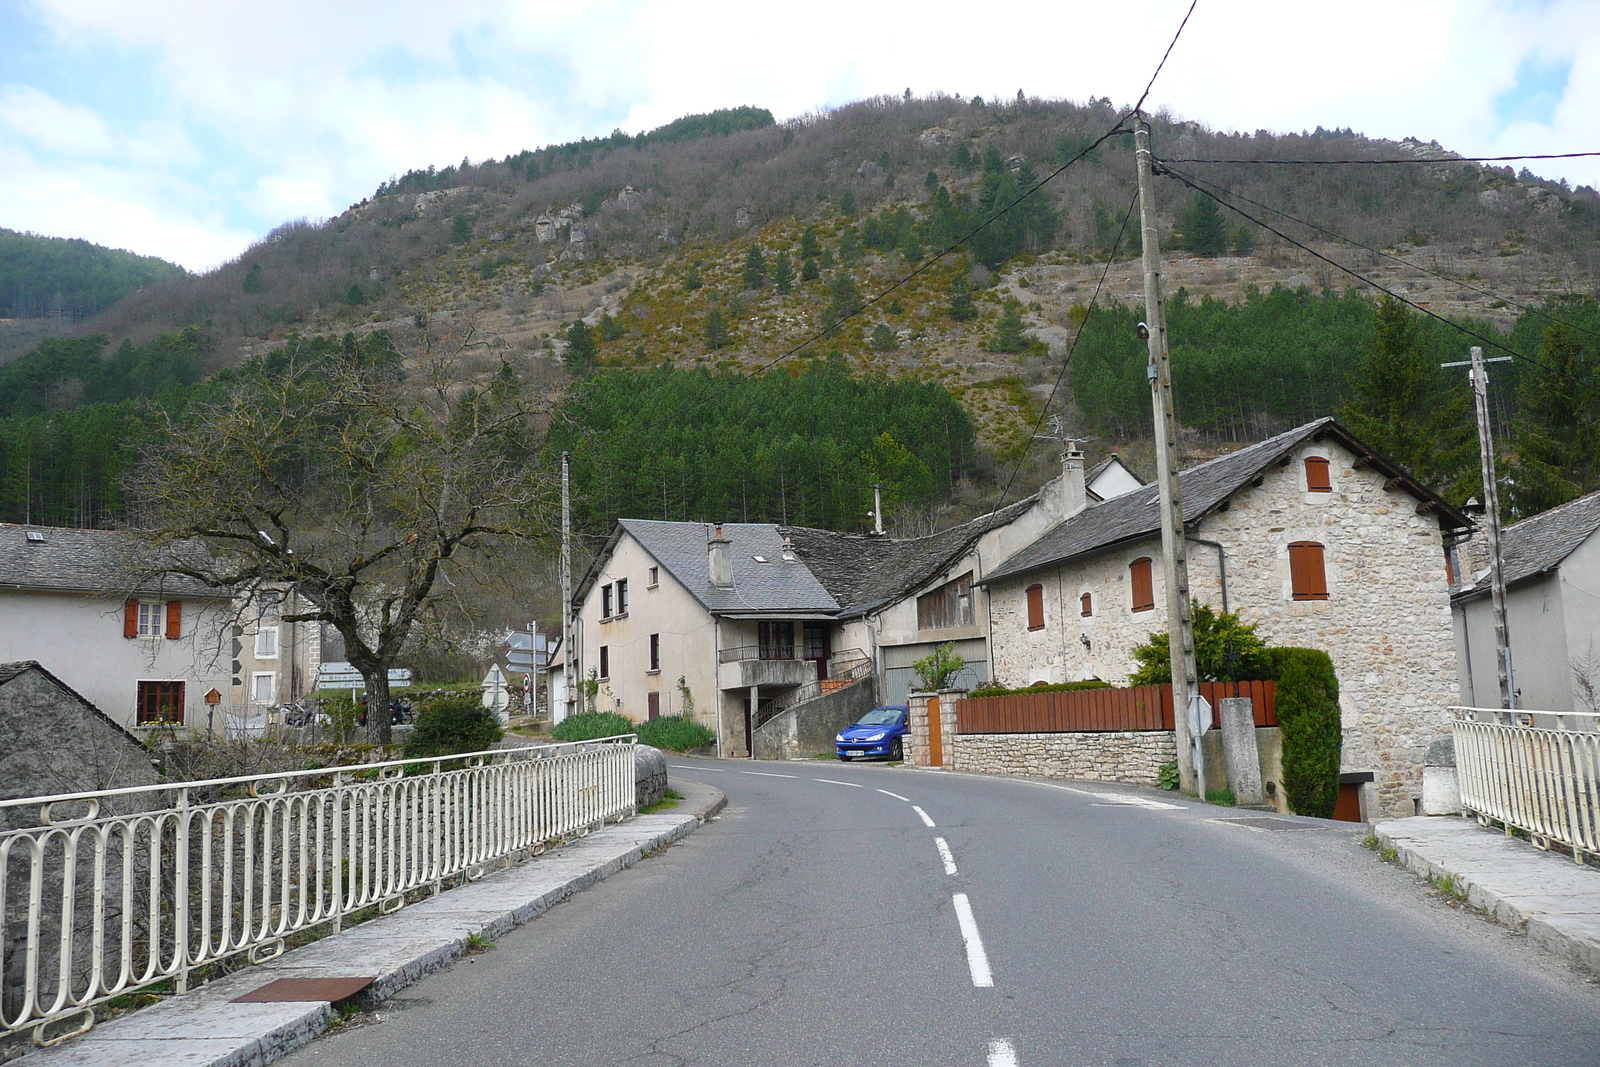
(846, 759)
(896, 751)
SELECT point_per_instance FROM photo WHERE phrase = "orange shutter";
(130, 619)
(1308, 577)
(1035, 607)
(1317, 480)
(1087, 603)
(174, 619)
(1144, 593)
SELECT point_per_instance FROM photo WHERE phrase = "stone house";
(1552, 572)
(274, 660)
(758, 619)
(146, 650)
(1311, 536)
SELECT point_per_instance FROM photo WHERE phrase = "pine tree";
(961, 307)
(1244, 242)
(847, 203)
(883, 338)
(691, 276)
(782, 272)
(1407, 410)
(810, 247)
(809, 271)
(844, 301)
(1008, 331)
(1201, 230)
(461, 229)
(1557, 426)
(252, 279)
(716, 333)
(755, 268)
(582, 351)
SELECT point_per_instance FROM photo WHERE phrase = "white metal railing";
(103, 893)
(1534, 771)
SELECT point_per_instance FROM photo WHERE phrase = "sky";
(189, 129)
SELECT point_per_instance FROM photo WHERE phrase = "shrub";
(1226, 649)
(1308, 713)
(935, 670)
(675, 732)
(1060, 687)
(591, 724)
(456, 722)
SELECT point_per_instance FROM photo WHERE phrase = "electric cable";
(1388, 162)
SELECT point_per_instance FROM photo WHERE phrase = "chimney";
(788, 551)
(720, 554)
(1072, 479)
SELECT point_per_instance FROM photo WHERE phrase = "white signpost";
(335, 675)
(496, 695)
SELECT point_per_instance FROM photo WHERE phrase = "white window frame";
(153, 618)
(272, 687)
(272, 633)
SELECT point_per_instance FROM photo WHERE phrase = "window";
(267, 642)
(622, 596)
(1086, 605)
(262, 684)
(152, 618)
(655, 577)
(1317, 475)
(605, 661)
(1035, 607)
(1307, 576)
(1141, 585)
(605, 602)
(655, 652)
(159, 702)
(948, 606)
(776, 640)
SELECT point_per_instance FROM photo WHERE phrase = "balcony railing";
(749, 652)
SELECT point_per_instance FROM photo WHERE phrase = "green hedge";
(592, 724)
(1308, 713)
(676, 733)
(1061, 687)
(456, 722)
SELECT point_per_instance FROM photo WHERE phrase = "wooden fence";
(1142, 707)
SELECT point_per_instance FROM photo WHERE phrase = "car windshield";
(880, 717)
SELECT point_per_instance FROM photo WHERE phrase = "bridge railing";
(1534, 771)
(104, 893)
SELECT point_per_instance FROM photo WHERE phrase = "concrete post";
(1441, 789)
(1239, 750)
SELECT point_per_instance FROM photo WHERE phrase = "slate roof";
(82, 561)
(11, 671)
(1136, 515)
(864, 573)
(775, 586)
(1540, 542)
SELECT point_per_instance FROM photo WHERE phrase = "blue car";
(880, 732)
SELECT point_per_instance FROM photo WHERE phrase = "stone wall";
(809, 727)
(1122, 756)
(1386, 622)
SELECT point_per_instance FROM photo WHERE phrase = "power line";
(1489, 341)
(1139, 107)
(1415, 160)
(1379, 252)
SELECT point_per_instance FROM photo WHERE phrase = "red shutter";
(1308, 578)
(1317, 480)
(1087, 603)
(1144, 593)
(174, 619)
(130, 619)
(1035, 607)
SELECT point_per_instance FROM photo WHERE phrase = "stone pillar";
(755, 709)
(948, 699)
(917, 718)
(1441, 789)
(1239, 750)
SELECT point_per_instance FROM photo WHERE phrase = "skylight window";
(761, 559)
(35, 537)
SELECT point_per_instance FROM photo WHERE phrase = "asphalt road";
(819, 921)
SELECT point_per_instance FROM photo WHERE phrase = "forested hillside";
(42, 277)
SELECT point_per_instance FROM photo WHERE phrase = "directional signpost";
(343, 676)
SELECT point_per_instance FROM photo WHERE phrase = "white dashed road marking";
(925, 820)
(1125, 799)
(1001, 1054)
(833, 781)
(897, 796)
(977, 959)
(769, 774)
(944, 854)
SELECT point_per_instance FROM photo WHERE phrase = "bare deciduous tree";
(366, 474)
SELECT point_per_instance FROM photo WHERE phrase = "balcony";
(763, 665)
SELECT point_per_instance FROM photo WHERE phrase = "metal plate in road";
(290, 990)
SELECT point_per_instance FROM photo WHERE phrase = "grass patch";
(1222, 798)
(477, 943)
(669, 801)
(675, 733)
(1448, 885)
(826, 755)
(592, 724)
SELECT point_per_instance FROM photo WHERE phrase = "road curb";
(1545, 896)
(205, 1028)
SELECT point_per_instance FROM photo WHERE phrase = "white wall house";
(1552, 570)
(273, 660)
(145, 653)
(1323, 544)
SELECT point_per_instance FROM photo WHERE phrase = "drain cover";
(305, 989)
(1264, 822)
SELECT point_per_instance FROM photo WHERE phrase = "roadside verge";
(1555, 901)
(207, 1027)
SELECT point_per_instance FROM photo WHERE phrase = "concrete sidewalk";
(205, 1028)
(1543, 893)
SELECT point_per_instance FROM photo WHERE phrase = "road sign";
(336, 675)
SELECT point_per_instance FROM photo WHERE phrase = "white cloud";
(298, 108)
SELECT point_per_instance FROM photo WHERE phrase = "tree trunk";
(378, 732)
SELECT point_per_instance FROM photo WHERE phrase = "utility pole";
(569, 663)
(1187, 729)
(1478, 376)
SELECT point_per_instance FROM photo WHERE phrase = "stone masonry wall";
(1124, 756)
(1386, 622)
